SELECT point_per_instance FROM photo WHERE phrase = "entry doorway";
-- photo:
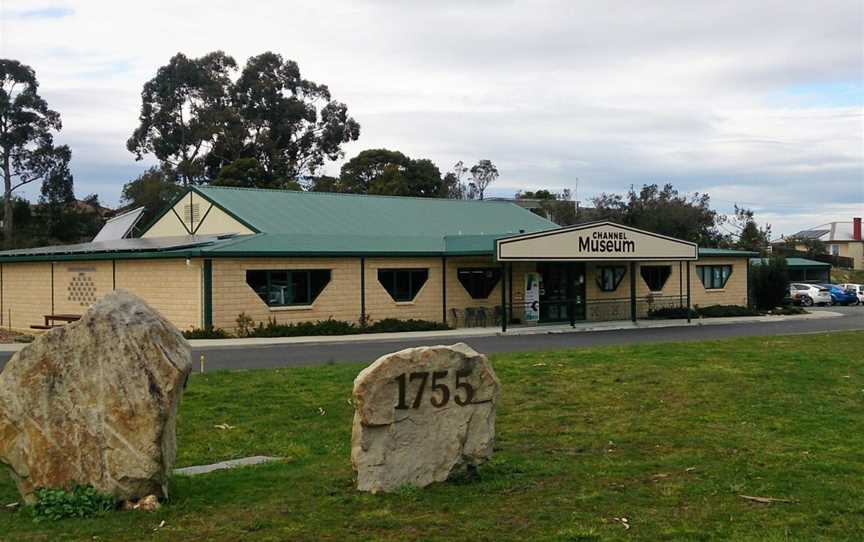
(562, 291)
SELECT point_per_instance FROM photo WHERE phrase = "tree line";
(207, 120)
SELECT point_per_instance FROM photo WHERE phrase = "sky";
(755, 103)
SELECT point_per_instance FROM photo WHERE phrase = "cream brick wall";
(427, 305)
(78, 285)
(26, 294)
(340, 300)
(170, 286)
(675, 288)
(735, 292)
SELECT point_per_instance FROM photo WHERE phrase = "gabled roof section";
(594, 241)
(321, 213)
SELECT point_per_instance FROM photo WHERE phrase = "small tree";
(483, 174)
(770, 281)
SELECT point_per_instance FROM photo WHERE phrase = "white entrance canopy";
(595, 241)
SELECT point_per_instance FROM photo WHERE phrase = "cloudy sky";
(756, 103)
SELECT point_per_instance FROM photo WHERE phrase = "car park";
(858, 289)
(841, 296)
(809, 294)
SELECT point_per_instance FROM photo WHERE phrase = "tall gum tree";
(27, 152)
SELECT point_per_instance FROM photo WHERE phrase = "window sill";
(291, 308)
(713, 290)
(404, 303)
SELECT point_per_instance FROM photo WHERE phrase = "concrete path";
(222, 465)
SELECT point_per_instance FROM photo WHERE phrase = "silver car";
(809, 294)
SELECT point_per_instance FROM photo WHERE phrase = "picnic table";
(61, 318)
(50, 318)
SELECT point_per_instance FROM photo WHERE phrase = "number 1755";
(440, 390)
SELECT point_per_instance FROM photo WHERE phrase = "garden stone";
(423, 415)
(95, 403)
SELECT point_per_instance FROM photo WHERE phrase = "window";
(713, 277)
(655, 276)
(609, 277)
(403, 284)
(479, 282)
(835, 250)
(287, 288)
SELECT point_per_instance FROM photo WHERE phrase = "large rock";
(95, 402)
(401, 438)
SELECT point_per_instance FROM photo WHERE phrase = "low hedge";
(725, 311)
(711, 311)
(271, 328)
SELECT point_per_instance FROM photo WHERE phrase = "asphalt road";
(267, 357)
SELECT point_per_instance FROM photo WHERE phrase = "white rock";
(401, 438)
(95, 402)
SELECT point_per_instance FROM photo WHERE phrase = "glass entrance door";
(562, 289)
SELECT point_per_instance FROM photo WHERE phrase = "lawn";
(668, 436)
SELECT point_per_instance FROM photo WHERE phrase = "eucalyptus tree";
(27, 127)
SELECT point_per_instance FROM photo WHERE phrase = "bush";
(787, 310)
(668, 313)
(321, 327)
(391, 325)
(725, 311)
(206, 333)
(770, 282)
(81, 502)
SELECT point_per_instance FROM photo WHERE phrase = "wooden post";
(688, 291)
(503, 298)
(633, 291)
(444, 289)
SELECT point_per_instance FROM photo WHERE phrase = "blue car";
(841, 296)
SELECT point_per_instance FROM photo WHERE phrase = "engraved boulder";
(95, 402)
(423, 415)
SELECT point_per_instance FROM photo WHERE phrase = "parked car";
(809, 294)
(857, 288)
(841, 296)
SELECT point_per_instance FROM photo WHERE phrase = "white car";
(809, 294)
(857, 288)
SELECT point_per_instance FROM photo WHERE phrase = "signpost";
(532, 297)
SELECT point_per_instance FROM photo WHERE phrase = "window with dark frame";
(714, 277)
(479, 281)
(403, 284)
(610, 276)
(288, 288)
(655, 276)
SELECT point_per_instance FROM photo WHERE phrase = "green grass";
(665, 435)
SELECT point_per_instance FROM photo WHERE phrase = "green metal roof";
(322, 213)
(795, 263)
(717, 252)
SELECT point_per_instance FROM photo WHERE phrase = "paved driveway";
(289, 355)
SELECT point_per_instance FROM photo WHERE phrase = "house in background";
(841, 239)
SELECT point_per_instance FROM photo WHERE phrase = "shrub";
(206, 333)
(787, 310)
(671, 313)
(769, 281)
(321, 327)
(391, 325)
(81, 502)
(725, 311)
(245, 324)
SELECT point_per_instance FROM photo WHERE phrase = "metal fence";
(567, 310)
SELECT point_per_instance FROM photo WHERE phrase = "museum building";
(289, 256)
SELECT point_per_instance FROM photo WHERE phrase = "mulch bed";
(12, 337)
